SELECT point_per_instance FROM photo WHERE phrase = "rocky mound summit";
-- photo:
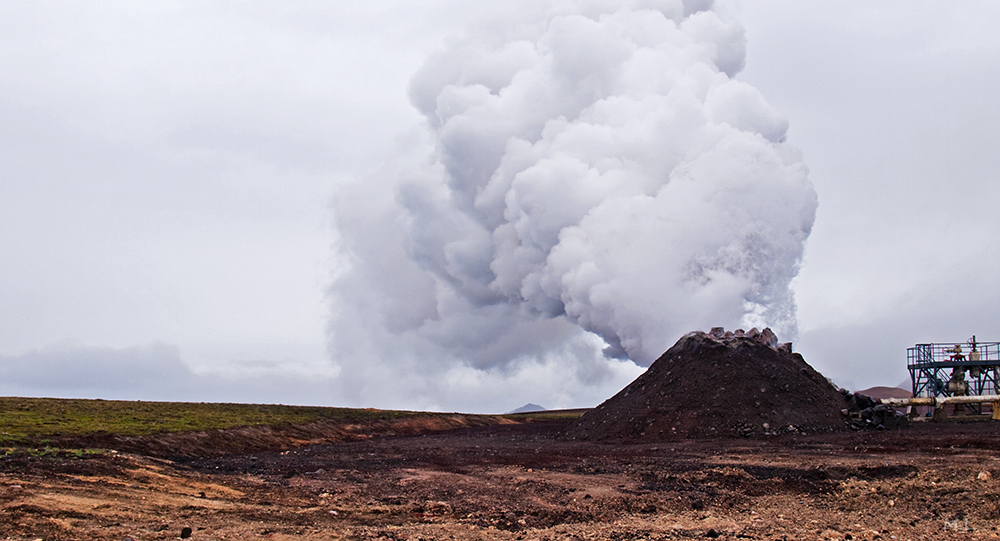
(718, 384)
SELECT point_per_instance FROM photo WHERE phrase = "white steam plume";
(594, 166)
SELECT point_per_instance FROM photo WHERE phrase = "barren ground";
(519, 482)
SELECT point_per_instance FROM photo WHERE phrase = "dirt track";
(518, 482)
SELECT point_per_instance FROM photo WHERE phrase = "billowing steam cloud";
(595, 170)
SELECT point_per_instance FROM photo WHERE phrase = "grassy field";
(24, 419)
(32, 417)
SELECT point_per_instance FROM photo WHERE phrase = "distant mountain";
(886, 392)
(880, 392)
(528, 408)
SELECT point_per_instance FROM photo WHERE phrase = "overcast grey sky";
(176, 180)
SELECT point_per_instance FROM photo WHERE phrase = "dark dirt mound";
(718, 384)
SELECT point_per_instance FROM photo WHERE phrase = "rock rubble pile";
(718, 383)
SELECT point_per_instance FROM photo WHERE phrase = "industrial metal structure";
(940, 369)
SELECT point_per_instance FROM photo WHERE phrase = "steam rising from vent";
(595, 170)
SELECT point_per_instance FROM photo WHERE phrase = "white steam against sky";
(593, 184)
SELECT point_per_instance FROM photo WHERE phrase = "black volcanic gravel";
(717, 385)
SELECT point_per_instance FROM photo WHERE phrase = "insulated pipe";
(938, 401)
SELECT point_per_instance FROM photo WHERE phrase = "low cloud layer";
(592, 183)
(150, 372)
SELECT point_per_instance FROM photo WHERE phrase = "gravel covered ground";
(522, 482)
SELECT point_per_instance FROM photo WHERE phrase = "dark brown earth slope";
(718, 384)
(251, 439)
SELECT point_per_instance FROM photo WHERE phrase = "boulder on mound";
(718, 384)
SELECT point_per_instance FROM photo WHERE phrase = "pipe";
(938, 401)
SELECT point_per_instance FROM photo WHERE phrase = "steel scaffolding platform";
(941, 369)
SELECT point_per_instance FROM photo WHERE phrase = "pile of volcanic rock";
(864, 412)
(721, 384)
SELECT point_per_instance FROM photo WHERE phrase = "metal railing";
(938, 369)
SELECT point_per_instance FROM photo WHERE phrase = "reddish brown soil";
(711, 386)
(522, 482)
